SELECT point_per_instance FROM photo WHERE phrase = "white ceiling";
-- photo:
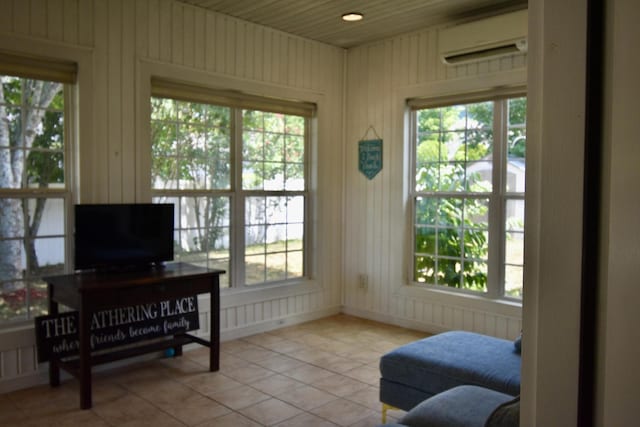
(320, 19)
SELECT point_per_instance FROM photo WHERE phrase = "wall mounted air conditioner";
(487, 38)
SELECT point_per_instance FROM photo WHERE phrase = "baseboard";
(450, 318)
(270, 325)
(394, 320)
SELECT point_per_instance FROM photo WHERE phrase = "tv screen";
(109, 236)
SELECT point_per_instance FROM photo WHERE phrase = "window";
(468, 195)
(34, 188)
(235, 168)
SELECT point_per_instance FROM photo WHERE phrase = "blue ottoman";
(416, 371)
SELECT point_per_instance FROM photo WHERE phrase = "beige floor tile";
(75, 418)
(408, 337)
(385, 346)
(132, 410)
(148, 386)
(313, 340)
(136, 372)
(370, 421)
(198, 351)
(194, 410)
(240, 397)
(159, 419)
(343, 412)
(340, 365)
(339, 385)
(361, 353)
(306, 397)
(289, 332)
(369, 397)
(34, 397)
(270, 412)
(167, 392)
(236, 346)
(233, 419)
(200, 356)
(306, 420)
(325, 358)
(365, 374)
(184, 403)
(284, 346)
(255, 354)
(263, 340)
(310, 355)
(249, 374)
(180, 367)
(275, 384)
(103, 392)
(308, 374)
(229, 362)
(10, 414)
(57, 410)
(211, 382)
(280, 363)
(340, 345)
(149, 377)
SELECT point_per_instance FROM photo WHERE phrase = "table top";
(96, 281)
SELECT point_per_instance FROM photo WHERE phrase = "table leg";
(54, 369)
(177, 350)
(85, 356)
(214, 326)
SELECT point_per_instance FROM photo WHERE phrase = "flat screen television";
(118, 236)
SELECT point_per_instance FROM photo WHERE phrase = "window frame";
(237, 102)
(64, 73)
(498, 197)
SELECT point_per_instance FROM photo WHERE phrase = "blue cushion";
(505, 415)
(400, 395)
(454, 358)
(517, 344)
(463, 406)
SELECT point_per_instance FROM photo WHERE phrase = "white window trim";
(78, 127)
(237, 101)
(497, 198)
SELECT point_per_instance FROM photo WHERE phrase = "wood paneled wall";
(122, 34)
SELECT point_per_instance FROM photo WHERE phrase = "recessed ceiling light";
(352, 16)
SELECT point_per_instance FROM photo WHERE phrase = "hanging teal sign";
(370, 157)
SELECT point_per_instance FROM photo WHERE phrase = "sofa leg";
(385, 408)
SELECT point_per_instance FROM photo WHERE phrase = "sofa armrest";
(462, 406)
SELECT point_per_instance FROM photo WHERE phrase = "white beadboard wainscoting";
(433, 316)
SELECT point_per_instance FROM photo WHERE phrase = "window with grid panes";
(236, 171)
(468, 195)
(34, 189)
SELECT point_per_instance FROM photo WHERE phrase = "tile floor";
(320, 373)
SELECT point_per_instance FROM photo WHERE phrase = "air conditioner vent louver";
(489, 38)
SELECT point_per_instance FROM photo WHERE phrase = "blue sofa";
(419, 370)
(464, 406)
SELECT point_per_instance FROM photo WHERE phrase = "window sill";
(233, 297)
(502, 306)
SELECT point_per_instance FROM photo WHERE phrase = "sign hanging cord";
(370, 128)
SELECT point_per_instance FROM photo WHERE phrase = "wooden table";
(90, 292)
